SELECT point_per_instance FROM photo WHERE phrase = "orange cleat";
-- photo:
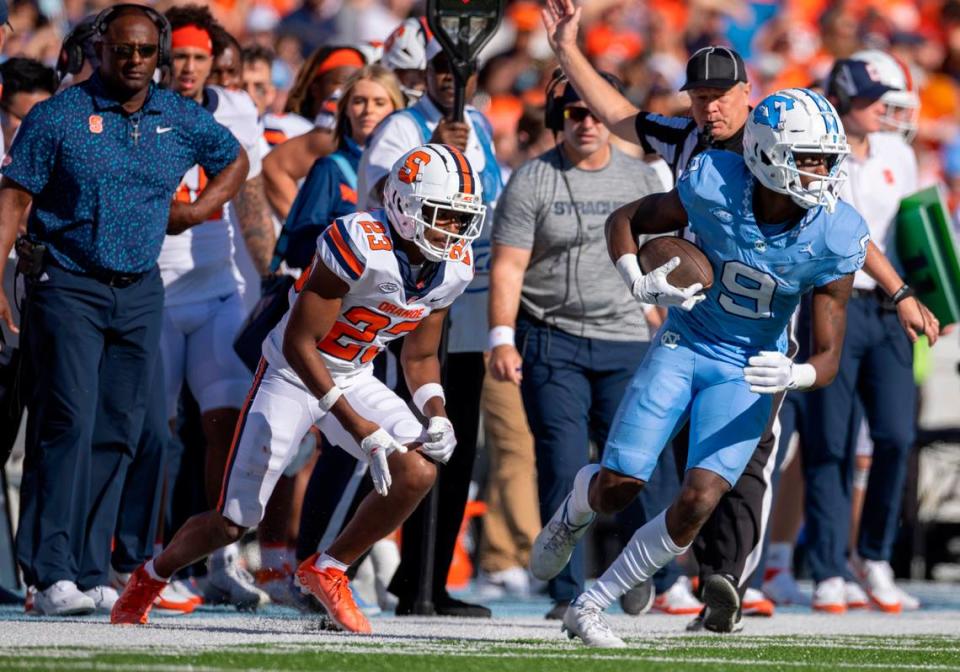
(137, 599)
(756, 603)
(332, 588)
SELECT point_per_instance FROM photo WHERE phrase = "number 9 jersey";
(760, 271)
(388, 297)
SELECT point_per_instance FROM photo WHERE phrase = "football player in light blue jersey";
(772, 229)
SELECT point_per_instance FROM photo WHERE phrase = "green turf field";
(718, 654)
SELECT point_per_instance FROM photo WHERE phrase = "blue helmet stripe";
(829, 116)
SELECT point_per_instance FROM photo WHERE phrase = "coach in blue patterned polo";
(99, 163)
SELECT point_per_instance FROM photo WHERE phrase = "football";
(694, 265)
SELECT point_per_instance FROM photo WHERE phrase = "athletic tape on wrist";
(425, 393)
(330, 398)
(501, 335)
(803, 376)
(629, 268)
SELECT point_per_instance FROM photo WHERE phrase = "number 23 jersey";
(759, 275)
(387, 297)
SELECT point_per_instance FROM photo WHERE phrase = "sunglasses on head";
(577, 114)
(126, 51)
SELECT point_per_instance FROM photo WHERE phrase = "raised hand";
(562, 21)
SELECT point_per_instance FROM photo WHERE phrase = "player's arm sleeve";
(341, 249)
(311, 212)
(214, 146)
(663, 135)
(847, 241)
(517, 212)
(33, 155)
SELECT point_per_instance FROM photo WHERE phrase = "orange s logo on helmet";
(411, 167)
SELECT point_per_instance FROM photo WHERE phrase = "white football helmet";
(790, 122)
(422, 183)
(903, 103)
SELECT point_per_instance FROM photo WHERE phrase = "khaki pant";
(512, 520)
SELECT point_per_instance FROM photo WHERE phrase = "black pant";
(90, 352)
(464, 377)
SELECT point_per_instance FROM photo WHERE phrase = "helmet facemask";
(465, 208)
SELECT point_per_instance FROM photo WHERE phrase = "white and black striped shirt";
(677, 140)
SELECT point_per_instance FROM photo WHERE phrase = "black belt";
(110, 278)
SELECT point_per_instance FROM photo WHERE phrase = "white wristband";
(629, 268)
(427, 392)
(330, 398)
(501, 335)
(803, 376)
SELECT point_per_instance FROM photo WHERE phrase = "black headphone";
(72, 56)
(104, 18)
(556, 90)
(837, 89)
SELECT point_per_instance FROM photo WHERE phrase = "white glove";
(442, 440)
(377, 447)
(654, 287)
(772, 372)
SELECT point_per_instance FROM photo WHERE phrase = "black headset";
(72, 56)
(104, 18)
(556, 89)
(838, 88)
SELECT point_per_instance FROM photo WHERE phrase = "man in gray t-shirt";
(563, 325)
(556, 212)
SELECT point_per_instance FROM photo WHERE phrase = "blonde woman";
(330, 190)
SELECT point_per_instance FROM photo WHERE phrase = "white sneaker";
(908, 601)
(103, 598)
(782, 588)
(830, 596)
(228, 583)
(554, 545)
(172, 600)
(63, 599)
(876, 577)
(513, 581)
(585, 620)
(118, 580)
(678, 599)
(755, 603)
(856, 598)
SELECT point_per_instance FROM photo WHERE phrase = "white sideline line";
(568, 655)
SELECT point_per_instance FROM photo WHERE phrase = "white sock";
(650, 549)
(579, 511)
(780, 556)
(152, 571)
(276, 556)
(326, 561)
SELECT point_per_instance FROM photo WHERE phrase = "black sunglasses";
(126, 51)
(577, 114)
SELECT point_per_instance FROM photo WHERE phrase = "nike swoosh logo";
(164, 130)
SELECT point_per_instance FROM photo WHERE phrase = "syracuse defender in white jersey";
(377, 276)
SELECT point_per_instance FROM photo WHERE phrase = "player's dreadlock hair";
(222, 40)
(299, 100)
(191, 15)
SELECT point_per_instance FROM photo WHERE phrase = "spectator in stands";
(99, 250)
